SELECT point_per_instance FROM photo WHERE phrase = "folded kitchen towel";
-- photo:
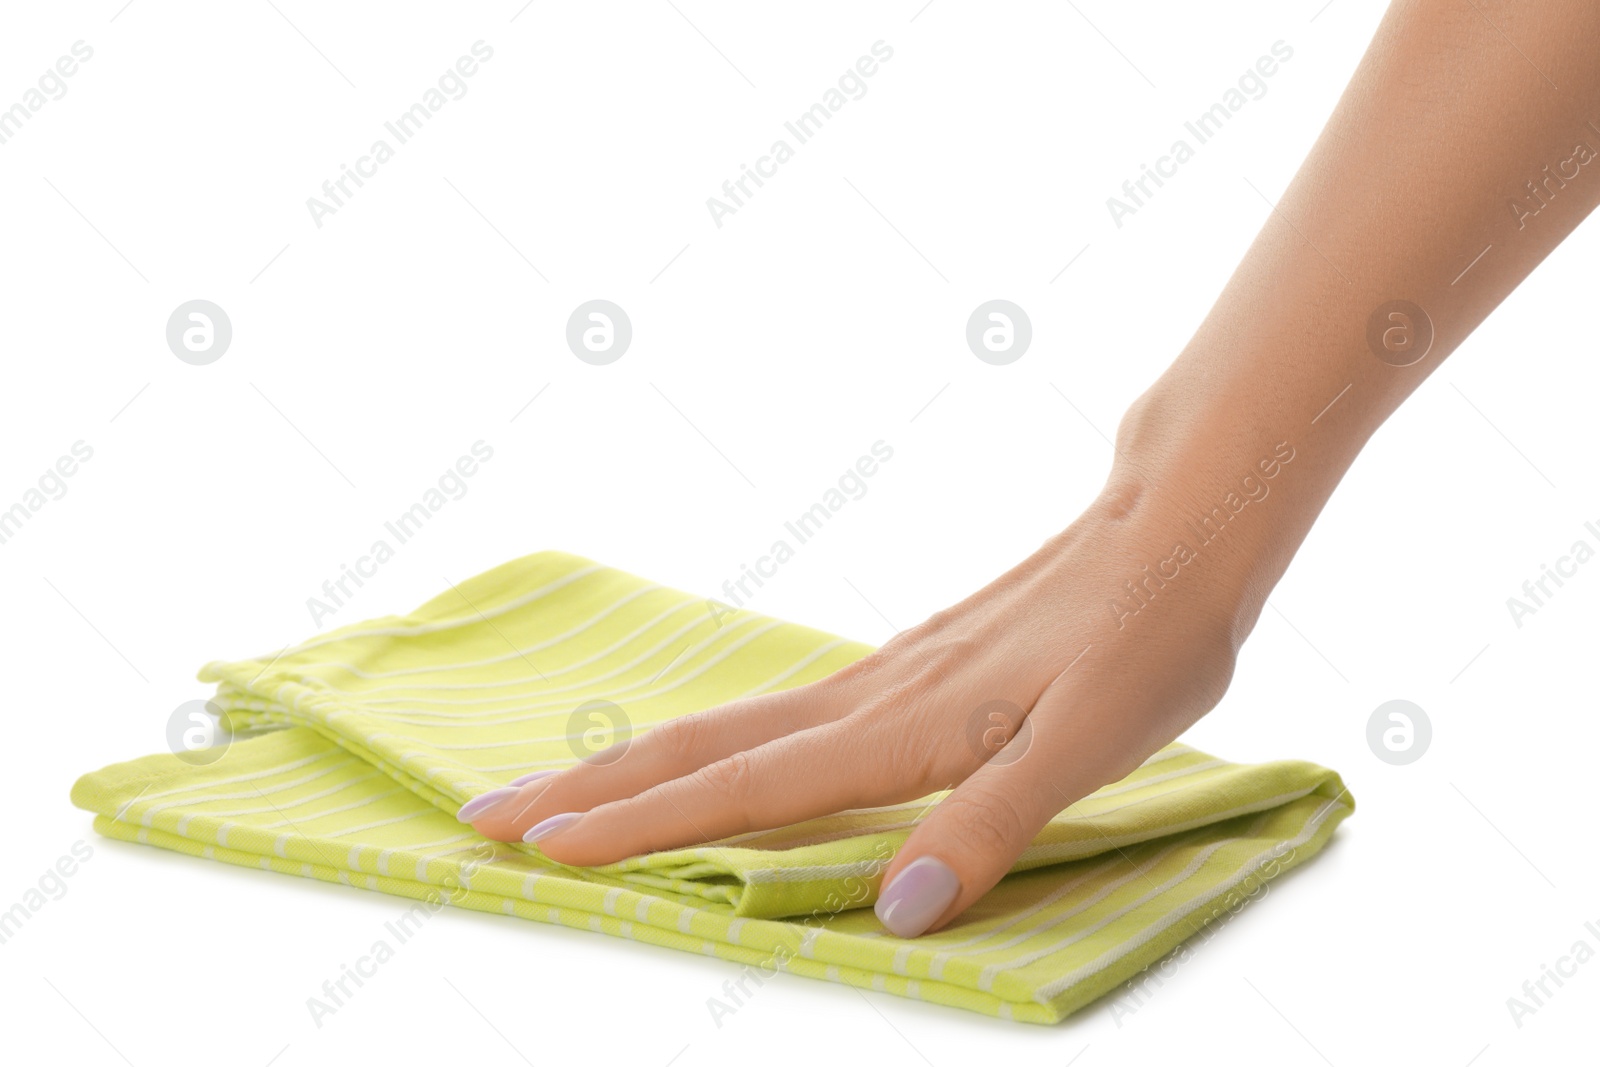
(364, 742)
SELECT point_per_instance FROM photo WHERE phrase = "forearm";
(1466, 147)
(1069, 671)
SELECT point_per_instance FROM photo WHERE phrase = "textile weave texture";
(359, 745)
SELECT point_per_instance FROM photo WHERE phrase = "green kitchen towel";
(381, 730)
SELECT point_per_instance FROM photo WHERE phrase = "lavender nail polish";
(917, 896)
(484, 803)
(534, 777)
(551, 825)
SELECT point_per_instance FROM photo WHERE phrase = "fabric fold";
(367, 739)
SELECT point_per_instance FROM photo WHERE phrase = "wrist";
(1209, 515)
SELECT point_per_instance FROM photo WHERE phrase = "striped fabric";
(381, 730)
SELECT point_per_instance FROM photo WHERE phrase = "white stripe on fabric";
(384, 822)
(986, 979)
(562, 706)
(151, 812)
(541, 676)
(296, 765)
(436, 627)
(516, 653)
(1066, 981)
(1059, 850)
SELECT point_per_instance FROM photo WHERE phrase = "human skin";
(1456, 106)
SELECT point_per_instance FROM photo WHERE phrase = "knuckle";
(897, 743)
(858, 673)
(935, 625)
(683, 737)
(732, 777)
(917, 737)
(911, 695)
(789, 711)
(989, 816)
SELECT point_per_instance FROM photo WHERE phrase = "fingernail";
(484, 803)
(534, 777)
(917, 896)
(552, 825)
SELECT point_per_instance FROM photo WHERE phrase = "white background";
(827, 314)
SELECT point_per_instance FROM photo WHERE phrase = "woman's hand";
(1294, 350)
(1024, 697)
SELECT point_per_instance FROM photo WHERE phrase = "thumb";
(965, 845)
(972, 837)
